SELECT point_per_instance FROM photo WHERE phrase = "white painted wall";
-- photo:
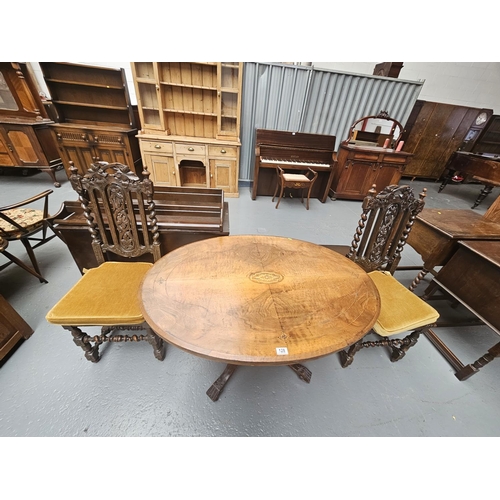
(475, 84)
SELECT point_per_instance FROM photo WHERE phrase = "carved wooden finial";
(145, 172)
(423, 194)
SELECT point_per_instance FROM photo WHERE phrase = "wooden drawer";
(222, 151)
(191, 149)
(71, 136)
(364, 156)
(157, 146)
(107, 138)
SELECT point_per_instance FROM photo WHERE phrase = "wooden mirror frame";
(383, 115)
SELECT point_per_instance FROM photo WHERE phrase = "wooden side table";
(471, 276)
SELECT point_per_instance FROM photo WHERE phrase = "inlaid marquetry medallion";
(266, 277)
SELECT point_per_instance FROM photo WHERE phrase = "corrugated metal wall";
(305, 99)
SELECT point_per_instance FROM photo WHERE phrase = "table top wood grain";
(245, 299)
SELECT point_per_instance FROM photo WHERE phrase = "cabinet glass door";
(147, 94)
(229, 98)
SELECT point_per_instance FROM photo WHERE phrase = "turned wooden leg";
(420, 276)
(216, 388)
(346, 357)
(482, 195)
(158, 344)
(446, 180)
(302, 372)
(469, 370)
(79, 338)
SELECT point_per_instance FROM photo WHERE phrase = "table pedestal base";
(217, 387)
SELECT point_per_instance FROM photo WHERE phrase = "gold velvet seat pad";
(400, 309)
(106, 295)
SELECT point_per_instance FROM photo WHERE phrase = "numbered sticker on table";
(281, 351)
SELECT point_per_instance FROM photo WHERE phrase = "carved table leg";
(302, 372)
(91, 352)
(158, 344)
(52, 174)
(346, 357)
(216, 388)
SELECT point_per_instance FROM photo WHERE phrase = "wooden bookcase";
(25, 138)
(95, 118)
(190, 117)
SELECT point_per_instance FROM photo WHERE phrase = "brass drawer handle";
(157, 146)
(223, 151)
(190, 149)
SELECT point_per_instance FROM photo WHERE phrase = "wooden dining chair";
(295, 181)
(386, 221)
(383, 228)
(25, 221)
(120, 213)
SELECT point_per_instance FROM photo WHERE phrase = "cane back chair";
(25, 222)
(382, 231)
(120, 213)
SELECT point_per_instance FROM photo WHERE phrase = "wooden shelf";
(89, 105)
(186, 112)
(80, 84)
(148, 81)
(188, 85)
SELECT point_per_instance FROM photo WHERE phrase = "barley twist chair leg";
(420, 276)
(80, 339)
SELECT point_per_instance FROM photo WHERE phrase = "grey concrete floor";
(48, 388)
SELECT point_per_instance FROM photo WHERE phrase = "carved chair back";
(384, 226)
(119, 209)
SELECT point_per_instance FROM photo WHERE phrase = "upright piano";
(292, 151)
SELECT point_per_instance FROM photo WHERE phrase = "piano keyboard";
(297, 163)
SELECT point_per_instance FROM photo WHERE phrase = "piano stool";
(295, 181)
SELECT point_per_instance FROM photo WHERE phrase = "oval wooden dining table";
(258, 300)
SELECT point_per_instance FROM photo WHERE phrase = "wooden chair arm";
(45, 195)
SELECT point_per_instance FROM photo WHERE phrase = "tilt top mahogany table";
(258, 300)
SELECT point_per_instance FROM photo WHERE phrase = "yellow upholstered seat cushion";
(104, 296)
(400, 309)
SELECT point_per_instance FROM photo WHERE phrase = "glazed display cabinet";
(25, 138)
(190, 118)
